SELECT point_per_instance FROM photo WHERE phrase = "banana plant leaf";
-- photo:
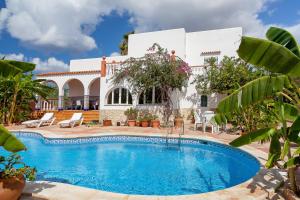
(292, 162)
(274, 151)
(9, 142)
(255, 91)
(290, 111)
(293, 136)
(283, 38)
(11, 67)
(268, 54)
(254, 136)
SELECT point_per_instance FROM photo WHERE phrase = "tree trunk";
(12, 109)
(292, 176)
(292, 179)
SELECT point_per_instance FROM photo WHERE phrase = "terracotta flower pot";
(11, 188)
(193, 120)
(155, 123)
(145, 123)
(137, 123)
(131, 122)
(178, 122)
(107, 122)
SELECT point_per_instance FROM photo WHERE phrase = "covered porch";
(73, 91)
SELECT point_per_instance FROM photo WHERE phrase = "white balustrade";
(49, 105)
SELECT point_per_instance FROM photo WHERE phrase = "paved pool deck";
(260, 186)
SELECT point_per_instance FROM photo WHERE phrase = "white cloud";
(55, 24)
(13, 56)
(50, 65)
(4, 14)
(67, 24)
(196, 15)
(115, 54)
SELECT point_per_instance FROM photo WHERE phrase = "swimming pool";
(139, 165)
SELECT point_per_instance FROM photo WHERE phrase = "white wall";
(85, 64)
(171, 39)
(224, 40)
(92, 63)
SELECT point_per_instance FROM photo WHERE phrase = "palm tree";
(279, 54)
(124, 44)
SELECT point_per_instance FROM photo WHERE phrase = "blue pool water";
(139, 165)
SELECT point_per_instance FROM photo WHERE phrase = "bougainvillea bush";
(156, 69)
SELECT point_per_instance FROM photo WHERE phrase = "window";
(151, 96)
(207, 59)
(119, 96)
(203, 101)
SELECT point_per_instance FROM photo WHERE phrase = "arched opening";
(151, 96)
(51, 103)
(94, 91)
(73, 95)
(119, 96)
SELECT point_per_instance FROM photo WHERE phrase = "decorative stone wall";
(114, 115)
(118, 115)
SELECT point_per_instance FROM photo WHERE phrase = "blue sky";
(50, 33)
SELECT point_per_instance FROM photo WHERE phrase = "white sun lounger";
(48, 119)
(76, 118)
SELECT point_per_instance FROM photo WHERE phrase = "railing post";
(38, 103)
(60, 102)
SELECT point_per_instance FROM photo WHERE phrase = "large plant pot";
(107, 122)
(155, 123)
(11, 188)
(178, 122)
(131, 122)
(144, 123)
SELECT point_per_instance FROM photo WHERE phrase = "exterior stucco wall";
(60, 81)
(92, 63)
(171, 39)
(224, 40)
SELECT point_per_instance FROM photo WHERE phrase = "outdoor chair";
(47, 119)
(208, 120)
(77, 118)
(198, 119)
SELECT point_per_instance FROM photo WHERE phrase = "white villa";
(88, 81)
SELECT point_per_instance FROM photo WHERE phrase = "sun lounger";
(76, 118)
(47, 119)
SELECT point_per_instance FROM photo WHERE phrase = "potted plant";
(178, 120)
(192, 116)
(131, 114)
(13, 172)
(107, 122)
(138, 122)
(145, 119)
(155, 121)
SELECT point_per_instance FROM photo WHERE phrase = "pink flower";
(184, 68)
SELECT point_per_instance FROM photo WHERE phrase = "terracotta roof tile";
(69, 73)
